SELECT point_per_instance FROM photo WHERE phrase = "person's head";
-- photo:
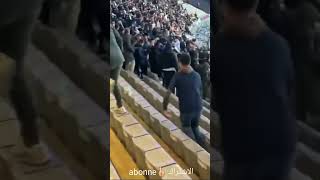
(240, 6)
(184, 60)
(140, 41)
(127, 31)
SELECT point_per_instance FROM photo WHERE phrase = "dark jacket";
(128, 48)
(154, 60)
(252, 81)
(116, 56)
(140, 55)
(203, 70)
(168, 59)
(189, 91)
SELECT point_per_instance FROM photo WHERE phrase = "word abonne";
(137, 172)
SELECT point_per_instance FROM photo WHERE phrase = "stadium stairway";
(305, 157)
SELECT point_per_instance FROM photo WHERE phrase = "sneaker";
(121, 110)
(35, 156)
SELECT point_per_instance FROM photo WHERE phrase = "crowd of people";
(153, 34)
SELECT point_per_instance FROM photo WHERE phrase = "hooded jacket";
(116, 56)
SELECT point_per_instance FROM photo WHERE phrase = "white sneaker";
(35, 156)
(121, 110)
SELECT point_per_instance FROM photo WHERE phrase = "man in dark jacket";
(128, 51)
(154, 58)
(169, 64)
(252, 81)
(189, 91)
(141, 58)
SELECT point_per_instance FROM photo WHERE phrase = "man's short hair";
(241, 5)
(184, 59)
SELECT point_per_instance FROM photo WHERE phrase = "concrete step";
(297, 175)
(76, 119)
(145, 150)
(72, 57)
(309, 136)
(308, 161)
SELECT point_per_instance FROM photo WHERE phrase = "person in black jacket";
(253, 83)
(154, 58)
(141, 58)
(169, 64)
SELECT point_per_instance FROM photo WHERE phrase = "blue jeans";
(190, 126)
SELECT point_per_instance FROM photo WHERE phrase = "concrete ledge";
(142, 145)
(122, 121)
(309, 136)
(191, 154)
(177, 137)
(166, 127)
(203, 164)
(157, 158)
(131, 132)
(308, 161)
(297, 175)
(83, 67)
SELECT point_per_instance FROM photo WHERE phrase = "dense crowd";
(153, 33)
